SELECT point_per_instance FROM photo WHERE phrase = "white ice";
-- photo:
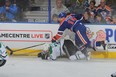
(35, 67)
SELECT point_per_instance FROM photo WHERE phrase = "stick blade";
(11, 51)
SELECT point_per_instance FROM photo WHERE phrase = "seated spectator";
(9, 11)
(2, 17)
(109, 3)
(97, 2)
(109, 20)
(86, 18)
(58, 8)
(92, 7)
(82, 3)
(80, 6)
(99, 19)
(1, 8)
(92, 18)
(112, 5)
(113, 19)
(103, 9)
(77, 6)
(71, 5)
(54, 18)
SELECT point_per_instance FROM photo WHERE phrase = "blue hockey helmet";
(79, 16)
(62, 14)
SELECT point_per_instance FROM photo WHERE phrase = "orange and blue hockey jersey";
(65, 23)
(71, 22)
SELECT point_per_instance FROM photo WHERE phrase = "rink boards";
(21, 35)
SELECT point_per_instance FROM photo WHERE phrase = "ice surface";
(35, 67)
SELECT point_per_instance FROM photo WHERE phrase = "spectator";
(1, 6)
(92, 18)
(103, 9)
(2, 17)
(21, 7)
(99, 19)
(97, 2)
(112, 5)
(71, 5)
(86, 18)
(113, 19)
(82, 3)
(80, 6)
(23, 4)
(54, 17)
(109, 20)
(92, 7)
(58, 8)
(2, 2)
(10, 11)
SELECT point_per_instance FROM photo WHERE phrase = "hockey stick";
(11, 51)
(66, 51)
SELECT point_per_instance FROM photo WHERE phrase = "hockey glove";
(53, 41)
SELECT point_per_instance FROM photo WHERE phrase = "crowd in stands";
(103, 13)
(11, 10)
(94, 11)
(8, 11)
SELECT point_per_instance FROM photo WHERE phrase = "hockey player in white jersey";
(65, 47)
(3, 54)
(74, 23)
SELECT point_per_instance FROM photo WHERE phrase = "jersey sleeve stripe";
(81, 37)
